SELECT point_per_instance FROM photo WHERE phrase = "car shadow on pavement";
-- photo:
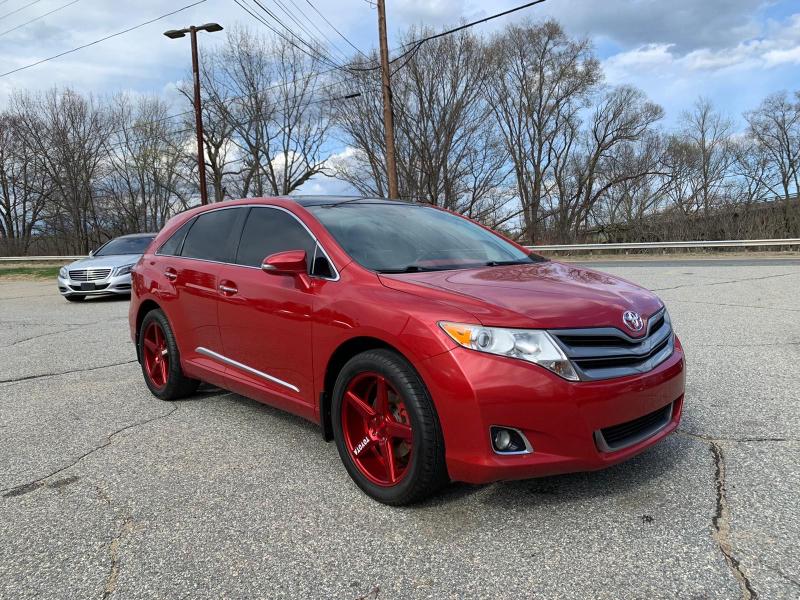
(622, 479)
(109, 298)
(619, 480)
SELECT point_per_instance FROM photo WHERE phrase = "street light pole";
(198, 112)
(198, 119)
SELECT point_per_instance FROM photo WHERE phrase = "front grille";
(606, 352)
(89, 274)
(632, 432)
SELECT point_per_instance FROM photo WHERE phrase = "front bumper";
(120, 285)
(473, 391)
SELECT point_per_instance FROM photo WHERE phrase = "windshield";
(392, 238)
(125, 245)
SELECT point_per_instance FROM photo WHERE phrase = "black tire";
(75, 298)
(177, 385)
(426, 471)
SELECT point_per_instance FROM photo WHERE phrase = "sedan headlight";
(123, 270)
(62, 272)
(525, 344)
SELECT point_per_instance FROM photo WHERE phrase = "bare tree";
(625, 213)
(268, 120)
(146, 180)
(584, 171)
(708, 135)
(24, 189)
(540, 79)
(67, 131)
(448, 151)
(775, 129)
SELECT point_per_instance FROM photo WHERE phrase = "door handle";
(227, 290)
(170, 274)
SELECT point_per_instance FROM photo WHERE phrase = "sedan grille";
(89, 274)
(607, 352)
(617, 437)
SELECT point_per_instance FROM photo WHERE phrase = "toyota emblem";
(633, 320)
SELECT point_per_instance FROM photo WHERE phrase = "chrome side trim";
(243, 367)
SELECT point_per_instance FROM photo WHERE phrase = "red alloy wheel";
(377, 428)
(156, 355)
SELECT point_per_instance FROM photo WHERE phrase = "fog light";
(507, 440)
(502, 439)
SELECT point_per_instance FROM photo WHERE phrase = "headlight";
(525, 344)
(62, 272)
(123, 270)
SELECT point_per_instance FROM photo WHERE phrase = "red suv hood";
(545, 295)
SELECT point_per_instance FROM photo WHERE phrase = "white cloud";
(782, 47)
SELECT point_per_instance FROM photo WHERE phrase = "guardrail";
(11, 259)
(552, 248)
(666, 245)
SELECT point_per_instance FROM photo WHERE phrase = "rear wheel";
(386, 429)
(161, 365)
(75, 298)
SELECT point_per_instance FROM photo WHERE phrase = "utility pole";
(198, 112)
(388, 118)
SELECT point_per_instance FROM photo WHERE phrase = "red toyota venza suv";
(427, 346)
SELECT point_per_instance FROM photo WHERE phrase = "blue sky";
(734, 52)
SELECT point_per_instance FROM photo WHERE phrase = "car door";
(265, 319)
(194, 275)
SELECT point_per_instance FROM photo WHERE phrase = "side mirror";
(291, 262)
(91, 253)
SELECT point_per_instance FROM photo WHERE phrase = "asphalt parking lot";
(106, 492)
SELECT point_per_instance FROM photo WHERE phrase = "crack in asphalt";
(695, 284)
(371, 595)
(34, 485)
(43, 375)
(742, 440)
(41, 335)
(722, 525)
(125, 529)
(24, 297)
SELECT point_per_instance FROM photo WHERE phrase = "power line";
(244, 158)
(39, 17)
(13, 12)
(314, 50)
(315, 26)
(416, 44)
(344, 37)
(288, 12)
(103, 39)
(313, 54)
(145, 138)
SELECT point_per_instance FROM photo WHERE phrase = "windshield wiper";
(502, 263)
(408, 269)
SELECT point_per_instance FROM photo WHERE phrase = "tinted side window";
(268, 231)
(213, 235)
(172, 246)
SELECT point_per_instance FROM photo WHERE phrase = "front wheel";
(387, 430)
(161, 365)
